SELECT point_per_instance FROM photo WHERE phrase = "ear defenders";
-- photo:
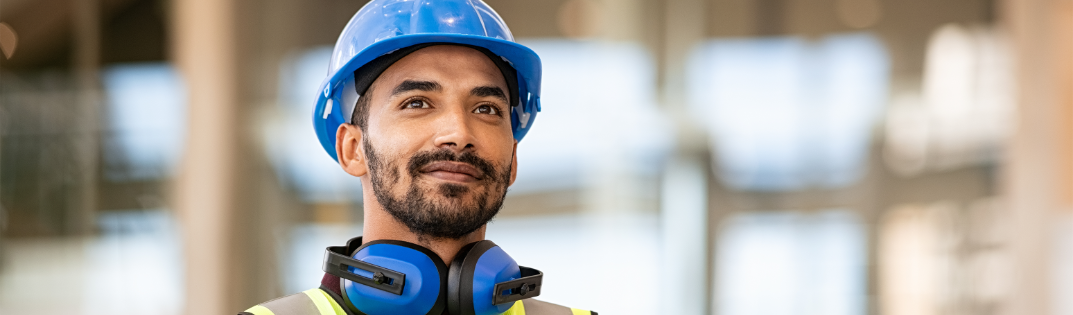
(396, 277)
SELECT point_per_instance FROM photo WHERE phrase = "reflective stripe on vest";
(517, 309)
(316, 301)
(325, 304)
(535, 307)
(260, 310)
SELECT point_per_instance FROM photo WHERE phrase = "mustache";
(424, 158)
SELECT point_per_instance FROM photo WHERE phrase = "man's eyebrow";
(410, 85)
(483, 91)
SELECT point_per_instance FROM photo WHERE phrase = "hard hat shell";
(383, 26)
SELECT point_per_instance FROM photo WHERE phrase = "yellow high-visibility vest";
(318, 302)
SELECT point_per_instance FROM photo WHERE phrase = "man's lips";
(452, 171)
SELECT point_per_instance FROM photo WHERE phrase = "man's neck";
(379, 225)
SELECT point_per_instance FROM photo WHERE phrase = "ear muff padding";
(422, 268)
(472, 277)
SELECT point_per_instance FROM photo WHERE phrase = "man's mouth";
(452, 171)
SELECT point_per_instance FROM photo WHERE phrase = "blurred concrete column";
(685, 228)
(230, 206)
(207, 188)
(1040, 172)
(86, 35)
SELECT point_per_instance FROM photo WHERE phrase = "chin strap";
(522, 288)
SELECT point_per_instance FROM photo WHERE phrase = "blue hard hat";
(384, 26)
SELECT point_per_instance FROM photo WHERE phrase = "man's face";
(438, 143)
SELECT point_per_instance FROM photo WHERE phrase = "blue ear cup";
(391, 277)
(484, 280)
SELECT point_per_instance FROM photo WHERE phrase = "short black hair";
(360, 116)
(367, 73)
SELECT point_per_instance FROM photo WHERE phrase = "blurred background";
(733, 157)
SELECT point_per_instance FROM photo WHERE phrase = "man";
(435, 96)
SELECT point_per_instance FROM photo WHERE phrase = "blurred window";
(145, 113)
(964, 109)
(942, 258)
(785, 113)
(783, 263)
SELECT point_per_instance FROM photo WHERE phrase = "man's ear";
(348, 139)
(513, 163)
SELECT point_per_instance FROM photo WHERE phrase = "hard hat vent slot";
(327, 108)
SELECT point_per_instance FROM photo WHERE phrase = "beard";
(417, 207)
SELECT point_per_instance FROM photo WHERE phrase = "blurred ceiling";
(131, 30)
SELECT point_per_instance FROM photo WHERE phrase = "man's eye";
(417, 104)
(486, 109)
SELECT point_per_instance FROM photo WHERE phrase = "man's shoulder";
(537, 307)
(308, 302)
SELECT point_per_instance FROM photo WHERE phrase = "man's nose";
(455, 132)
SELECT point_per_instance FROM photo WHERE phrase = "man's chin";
(453, 192)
